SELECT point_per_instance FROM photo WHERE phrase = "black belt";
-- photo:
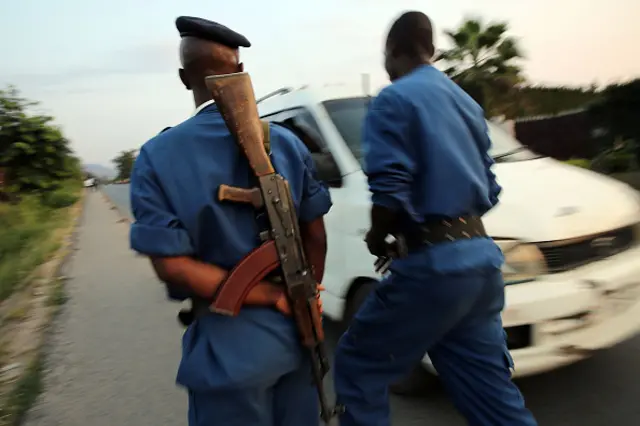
(438, 231)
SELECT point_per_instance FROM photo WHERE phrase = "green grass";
(23, 394)
(27, 231)
(58, 295)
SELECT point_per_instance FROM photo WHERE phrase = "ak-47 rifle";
(282, 245)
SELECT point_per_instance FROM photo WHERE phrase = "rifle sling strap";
(267, 136)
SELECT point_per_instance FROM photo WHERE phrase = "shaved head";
(201, 58)
(198, 51)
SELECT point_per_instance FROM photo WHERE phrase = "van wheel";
(356, 300)
(416, 382)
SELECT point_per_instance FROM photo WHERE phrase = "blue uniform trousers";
(292, 401)
(453, 317)
(248, 370)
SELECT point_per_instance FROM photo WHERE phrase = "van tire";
(355, 300)
(415, 383)
(418, 380)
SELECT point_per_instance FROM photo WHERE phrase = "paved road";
(116, 349)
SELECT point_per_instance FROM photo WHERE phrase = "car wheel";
(416, 382)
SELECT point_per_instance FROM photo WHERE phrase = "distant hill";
(100, 171)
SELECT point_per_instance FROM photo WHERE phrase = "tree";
(34, 153)
(483, 62)
(124, 164)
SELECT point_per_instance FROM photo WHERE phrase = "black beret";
(189, 26)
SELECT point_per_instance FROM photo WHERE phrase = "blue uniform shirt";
(174, 202)
(426, 149)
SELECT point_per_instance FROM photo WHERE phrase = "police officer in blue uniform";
(247, 370)
(429, 172)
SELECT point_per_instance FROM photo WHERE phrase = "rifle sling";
(267, 136)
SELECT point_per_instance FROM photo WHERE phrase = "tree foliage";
(617, 112)
(124, 164)
(33, 152)
(483, 61)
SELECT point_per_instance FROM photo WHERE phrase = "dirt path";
(116, 346)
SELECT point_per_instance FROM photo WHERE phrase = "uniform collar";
(203, 106)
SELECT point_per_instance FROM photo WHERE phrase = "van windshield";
(348, 116)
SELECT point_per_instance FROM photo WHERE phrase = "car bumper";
(571, 315)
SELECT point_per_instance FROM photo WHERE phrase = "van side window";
(301, 122)
(348, 116)
(302, 119)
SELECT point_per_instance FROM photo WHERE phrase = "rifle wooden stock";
(234, 97)
(243, 277)
(251, 196)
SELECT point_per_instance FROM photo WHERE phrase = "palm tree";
(482, 61)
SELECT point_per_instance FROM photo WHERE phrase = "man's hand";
(283, 305)
(384, 221)
(376, 243)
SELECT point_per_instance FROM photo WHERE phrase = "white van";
(570, 237)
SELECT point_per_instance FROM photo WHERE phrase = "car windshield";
(348, 116)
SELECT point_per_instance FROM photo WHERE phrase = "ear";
(240, 67)
(183, 78)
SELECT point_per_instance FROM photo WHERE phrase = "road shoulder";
(24, 321)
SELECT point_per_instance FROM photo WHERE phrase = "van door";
(303, 124)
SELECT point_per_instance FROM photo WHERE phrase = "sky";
(107, 70)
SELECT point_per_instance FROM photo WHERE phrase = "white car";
(570, 238)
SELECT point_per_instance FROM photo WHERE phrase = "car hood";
(545, 200)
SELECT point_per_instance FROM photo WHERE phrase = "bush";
(60, 198)
(26, 231)
(19, 224)
(616, 162)
(580, 162)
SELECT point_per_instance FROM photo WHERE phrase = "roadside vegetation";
(40, 190)
(615, 114)
(28, 233)
(40, 179)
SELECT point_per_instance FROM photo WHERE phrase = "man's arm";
(389, 156)
(158, 233)
(203, 279)
(494, 188)
(390, 166)
(314, 240)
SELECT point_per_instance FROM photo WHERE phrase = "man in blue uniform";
(247, 370)
(430, 176)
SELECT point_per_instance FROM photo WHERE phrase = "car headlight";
(522, 262)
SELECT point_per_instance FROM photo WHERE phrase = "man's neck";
(413, 65)
(200, 97)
